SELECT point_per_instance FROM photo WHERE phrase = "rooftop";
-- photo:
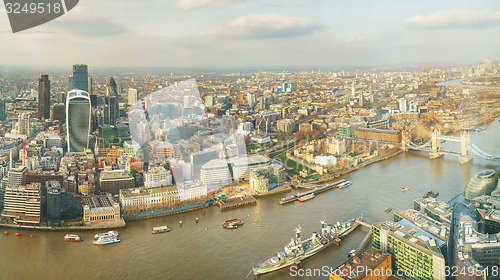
(369, 258)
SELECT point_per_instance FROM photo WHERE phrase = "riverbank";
(100, 225)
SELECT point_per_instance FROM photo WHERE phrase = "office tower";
(80, 78)
(209, 101)
(353, 91)
(187, 101)
(44, 97)
(111, 110)
(403, 105)
(17, 176)
(132, 96)
(361, 98)
(90, 85)
(2, 109)
(251, 100)
(59, 113)
(23, 124)
(22, 204)
(77, 120)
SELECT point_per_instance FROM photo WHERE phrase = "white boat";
(106, 240)
(110, 233)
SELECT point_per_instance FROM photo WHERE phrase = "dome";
(483, 183)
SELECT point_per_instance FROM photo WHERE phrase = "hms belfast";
(298, 249)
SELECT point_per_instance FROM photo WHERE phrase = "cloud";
(188, 5)
(265, 26)
(86, 22)
(455, 19)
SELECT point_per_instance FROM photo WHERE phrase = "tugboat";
(405, 189)
(298, 249)
(232, 224)
(388, 210)
(306, 197)
(109, 234)
(161, 229)
(106, 240)
(72, 238)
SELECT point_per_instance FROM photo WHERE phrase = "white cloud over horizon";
(455, 19)
(265, 26)
(188, 5)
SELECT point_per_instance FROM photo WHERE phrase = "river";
(458, 83)
(191, 252)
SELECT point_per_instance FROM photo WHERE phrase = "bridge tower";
(435, 144)
(403, 141)
(464, 147)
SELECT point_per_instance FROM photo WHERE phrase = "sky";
(252, 33)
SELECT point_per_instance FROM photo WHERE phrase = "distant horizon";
(244, 68)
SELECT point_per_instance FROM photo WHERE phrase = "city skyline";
(220, 33)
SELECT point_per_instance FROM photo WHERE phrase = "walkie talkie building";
(78, 119)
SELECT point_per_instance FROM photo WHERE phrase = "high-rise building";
(251, 100)
(77, 120)
(22, 204)
(403, 105)
(44, 97)
(187, 102)
(59, 113)
(80, 78)
(111, 111)
(209, 101)
(132, 96)
(17, 176)
(2, 109)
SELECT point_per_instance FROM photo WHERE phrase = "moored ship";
(232, 224)
(288, 199)
(344, 184)
(72, 238)
(306, 197)
(161, 229)
(298, 249)
(431, 194)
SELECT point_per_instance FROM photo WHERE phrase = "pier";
(314, 189)
(226, 204)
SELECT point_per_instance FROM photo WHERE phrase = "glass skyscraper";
(78, 118)
(44, 97)
(80, 78)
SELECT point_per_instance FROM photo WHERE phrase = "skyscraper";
(80, 78)
(77, 120)
(111, 111)
(132, 96)
(2, 109)
(44, 97)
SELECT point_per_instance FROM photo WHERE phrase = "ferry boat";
(232, 224)
(103, 240)
(288, 199)
(306, 197)
(72, 238)
(298, 249)
(109, 234)
(161, 229)
(344, 184)
(405, 189)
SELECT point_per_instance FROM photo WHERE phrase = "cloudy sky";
(221, 33)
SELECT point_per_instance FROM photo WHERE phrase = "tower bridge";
(467, 152)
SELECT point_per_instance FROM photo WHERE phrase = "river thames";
(191, 252)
